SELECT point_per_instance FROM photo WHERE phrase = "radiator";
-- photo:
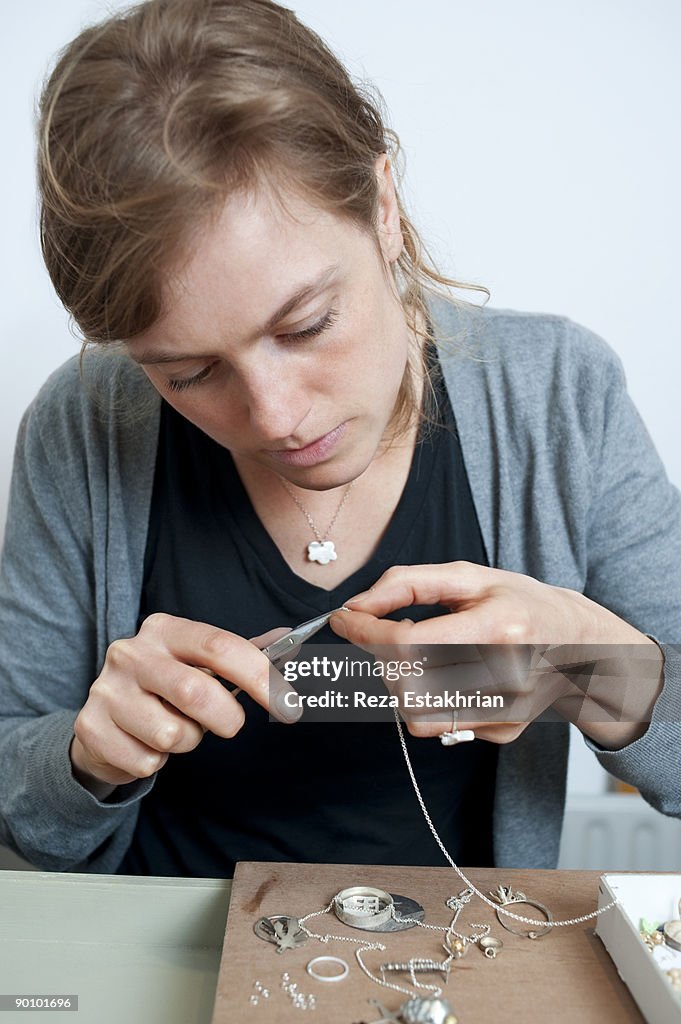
(619, 832)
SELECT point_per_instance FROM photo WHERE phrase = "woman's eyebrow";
(299, 296)
(305, 291)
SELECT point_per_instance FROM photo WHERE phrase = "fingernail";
(290, 712)
(338, 626)
(360, 597)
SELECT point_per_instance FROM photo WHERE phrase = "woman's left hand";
(536, 645)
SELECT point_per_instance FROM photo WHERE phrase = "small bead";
(265, 993)
(285, 976)
(253, 1000)
(257, 985)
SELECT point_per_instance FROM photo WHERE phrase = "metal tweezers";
(279, 651)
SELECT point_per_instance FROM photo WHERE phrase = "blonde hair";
(153, 117)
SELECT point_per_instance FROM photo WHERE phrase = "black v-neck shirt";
(312, 792)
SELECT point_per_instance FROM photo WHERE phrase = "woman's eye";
(177, 384)
(318, 328)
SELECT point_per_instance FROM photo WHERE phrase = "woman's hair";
(151, 119)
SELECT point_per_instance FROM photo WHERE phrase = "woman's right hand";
(151, 700)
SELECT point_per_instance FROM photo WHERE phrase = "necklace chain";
(318, 536)
(469, 884)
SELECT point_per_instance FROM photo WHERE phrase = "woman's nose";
(277, 405)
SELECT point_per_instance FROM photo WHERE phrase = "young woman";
(271, 369)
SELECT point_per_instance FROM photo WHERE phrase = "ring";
(345, 970)
(530, 903)
(362, 906)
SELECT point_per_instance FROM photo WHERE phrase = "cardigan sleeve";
(48, 661)
(634, 569)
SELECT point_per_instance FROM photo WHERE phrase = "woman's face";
(284, 339)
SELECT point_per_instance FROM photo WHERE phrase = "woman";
(273, 374)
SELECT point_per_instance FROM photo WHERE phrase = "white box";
(656, 898)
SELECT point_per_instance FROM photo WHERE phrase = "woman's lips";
(313, 453)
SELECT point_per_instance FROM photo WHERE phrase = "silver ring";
(363, 906)
(530, 903)
(345, 970)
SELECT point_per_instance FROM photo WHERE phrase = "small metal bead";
(253, 1000)
(257, 985)
(285, 976)
(265, 993)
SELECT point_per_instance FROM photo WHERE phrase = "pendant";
(431, 1010)
(322, 552)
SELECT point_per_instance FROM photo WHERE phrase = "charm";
(456, 946)
(427, 1011)
(504, 894)
(322, 552)
(281, 930)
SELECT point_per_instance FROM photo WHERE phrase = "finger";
(201, 645)
(448, 584)
(468, 686)
(157, 724)
(230, 657)
(470, 626)
(113, 755)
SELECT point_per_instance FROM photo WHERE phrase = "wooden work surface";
(565, 976)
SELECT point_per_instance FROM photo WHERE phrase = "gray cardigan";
(567, 486)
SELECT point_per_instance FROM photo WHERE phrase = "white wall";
(543, 160)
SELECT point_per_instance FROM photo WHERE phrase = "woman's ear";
(389, 230)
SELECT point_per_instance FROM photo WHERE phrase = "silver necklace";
(468, 883)
(321, 549)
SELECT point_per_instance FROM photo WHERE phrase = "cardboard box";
(654, 897)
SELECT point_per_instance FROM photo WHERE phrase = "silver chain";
(320, 538)
(469, 884)
(363, 947)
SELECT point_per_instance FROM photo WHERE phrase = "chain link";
(320, 538)
(364, 947)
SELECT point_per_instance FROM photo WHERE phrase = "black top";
(311, 792)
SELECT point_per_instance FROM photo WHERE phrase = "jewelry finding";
(456, 735)
(363, 906)
(260, 992)
(504, 896)
(281, 930)
(490, 946)
(336, 960)
(299, 1000)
